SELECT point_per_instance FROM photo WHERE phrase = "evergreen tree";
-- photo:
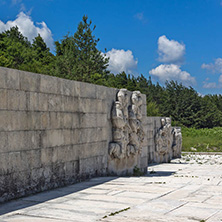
(18, 53)
(84, 62)
(15, 49)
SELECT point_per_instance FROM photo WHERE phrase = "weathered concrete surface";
(128, 149)
(53, 132)
(162, 149)
(185, 190)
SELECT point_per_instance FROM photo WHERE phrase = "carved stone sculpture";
(169, 130)
(128, 133)
(164, 137)
(168, 140)
(177, 142)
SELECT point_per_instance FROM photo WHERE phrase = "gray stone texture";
(128, 149)
(53, 132)
(153, 125)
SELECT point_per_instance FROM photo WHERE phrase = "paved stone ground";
(188, 189)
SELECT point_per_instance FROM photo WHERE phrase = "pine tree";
(78, 57)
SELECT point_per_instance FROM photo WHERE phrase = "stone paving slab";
(187, 189)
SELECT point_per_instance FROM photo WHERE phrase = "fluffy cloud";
(214, 67)
(212, 85)
(209, 85)
(29, 29)
(120, 60)
(172, 72)
(170, 51)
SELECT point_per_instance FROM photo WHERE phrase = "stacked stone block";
(53, 132)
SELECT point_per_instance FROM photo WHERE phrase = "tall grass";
(203, 140)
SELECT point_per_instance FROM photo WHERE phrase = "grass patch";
(117, 212)
(137, 172)
(203, 140)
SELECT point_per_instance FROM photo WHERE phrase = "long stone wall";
(54, 132)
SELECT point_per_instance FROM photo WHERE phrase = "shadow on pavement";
(160, 173)
(42, 197)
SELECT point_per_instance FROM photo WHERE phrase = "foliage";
(78, 58)
(137, 172)
(203, 140)
(152, 109)
(18, 53)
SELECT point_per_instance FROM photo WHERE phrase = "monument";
(128, 133)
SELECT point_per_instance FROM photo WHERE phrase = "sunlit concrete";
(187, 189)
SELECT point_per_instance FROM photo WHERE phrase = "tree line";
(78, 58)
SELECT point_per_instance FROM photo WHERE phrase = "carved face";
(168, 120)
(162, 122)
(136, 98)
(122, 96)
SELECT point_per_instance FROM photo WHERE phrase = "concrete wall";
(53, 132)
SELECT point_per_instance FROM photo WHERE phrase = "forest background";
(77, 58)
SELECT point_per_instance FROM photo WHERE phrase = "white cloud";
(121, 60)
(170, 51)
(29, 29)
(200, 94)
(172, 72)
(210, 85)
(213, 67)
(213, 85)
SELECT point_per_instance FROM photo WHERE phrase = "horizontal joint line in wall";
(52, 147)
(51, 111)
(56, 94)
(45, 129)
(91, 157)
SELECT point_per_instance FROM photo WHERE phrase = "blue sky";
(167, 39)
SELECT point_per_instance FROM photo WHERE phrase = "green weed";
(117, 212)
(137, 172)
(203, 140)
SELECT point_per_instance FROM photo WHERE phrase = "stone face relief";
(168, 139)
(128, 133)
(164, 137)
(177, 142)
